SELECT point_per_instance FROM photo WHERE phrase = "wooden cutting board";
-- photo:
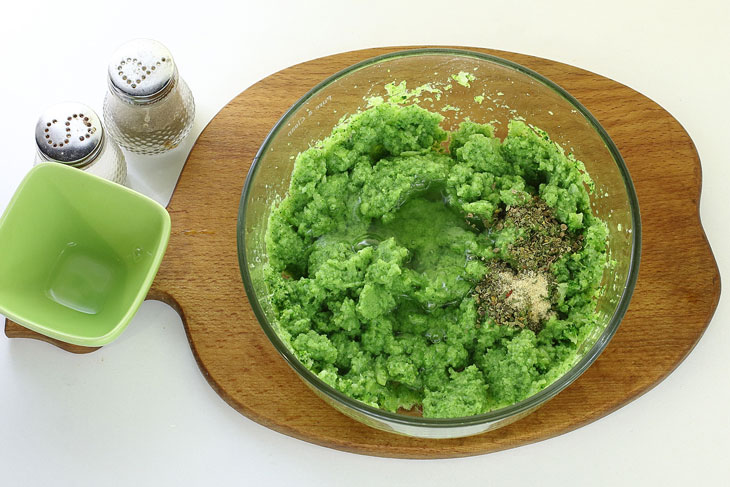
(677, 291)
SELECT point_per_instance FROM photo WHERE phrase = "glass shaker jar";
(72, 134)
(149, 108)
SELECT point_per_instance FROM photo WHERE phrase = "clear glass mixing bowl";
(509, 91)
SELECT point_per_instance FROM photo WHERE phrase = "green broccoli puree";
(375, 253)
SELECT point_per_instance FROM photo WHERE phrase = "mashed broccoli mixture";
(385, 257)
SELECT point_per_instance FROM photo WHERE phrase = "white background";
(138, 412)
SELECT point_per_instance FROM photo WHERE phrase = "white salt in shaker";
(72, 134)
(149, 108)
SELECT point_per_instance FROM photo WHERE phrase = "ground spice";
(515, 299)
(516, 291)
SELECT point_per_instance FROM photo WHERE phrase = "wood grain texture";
(14, 330)
(675, 297)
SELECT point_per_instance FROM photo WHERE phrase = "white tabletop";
(139, 412)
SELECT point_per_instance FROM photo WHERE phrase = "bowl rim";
(532, 401)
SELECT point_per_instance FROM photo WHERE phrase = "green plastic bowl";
(78, 254)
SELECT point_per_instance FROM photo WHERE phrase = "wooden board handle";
(14, 330)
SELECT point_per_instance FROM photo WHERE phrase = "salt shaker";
(72, 134)
(149, 108)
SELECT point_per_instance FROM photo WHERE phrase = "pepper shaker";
(148, 108)
(72, 134)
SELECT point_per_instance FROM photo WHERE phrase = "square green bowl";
(78, 254)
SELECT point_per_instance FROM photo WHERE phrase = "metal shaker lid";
(70, 133)
(142, 71)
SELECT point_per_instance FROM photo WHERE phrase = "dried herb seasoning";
(516, 291)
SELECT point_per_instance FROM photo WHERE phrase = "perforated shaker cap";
(142, 71)
(70, 133)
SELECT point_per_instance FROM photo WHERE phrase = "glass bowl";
(501, 91)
